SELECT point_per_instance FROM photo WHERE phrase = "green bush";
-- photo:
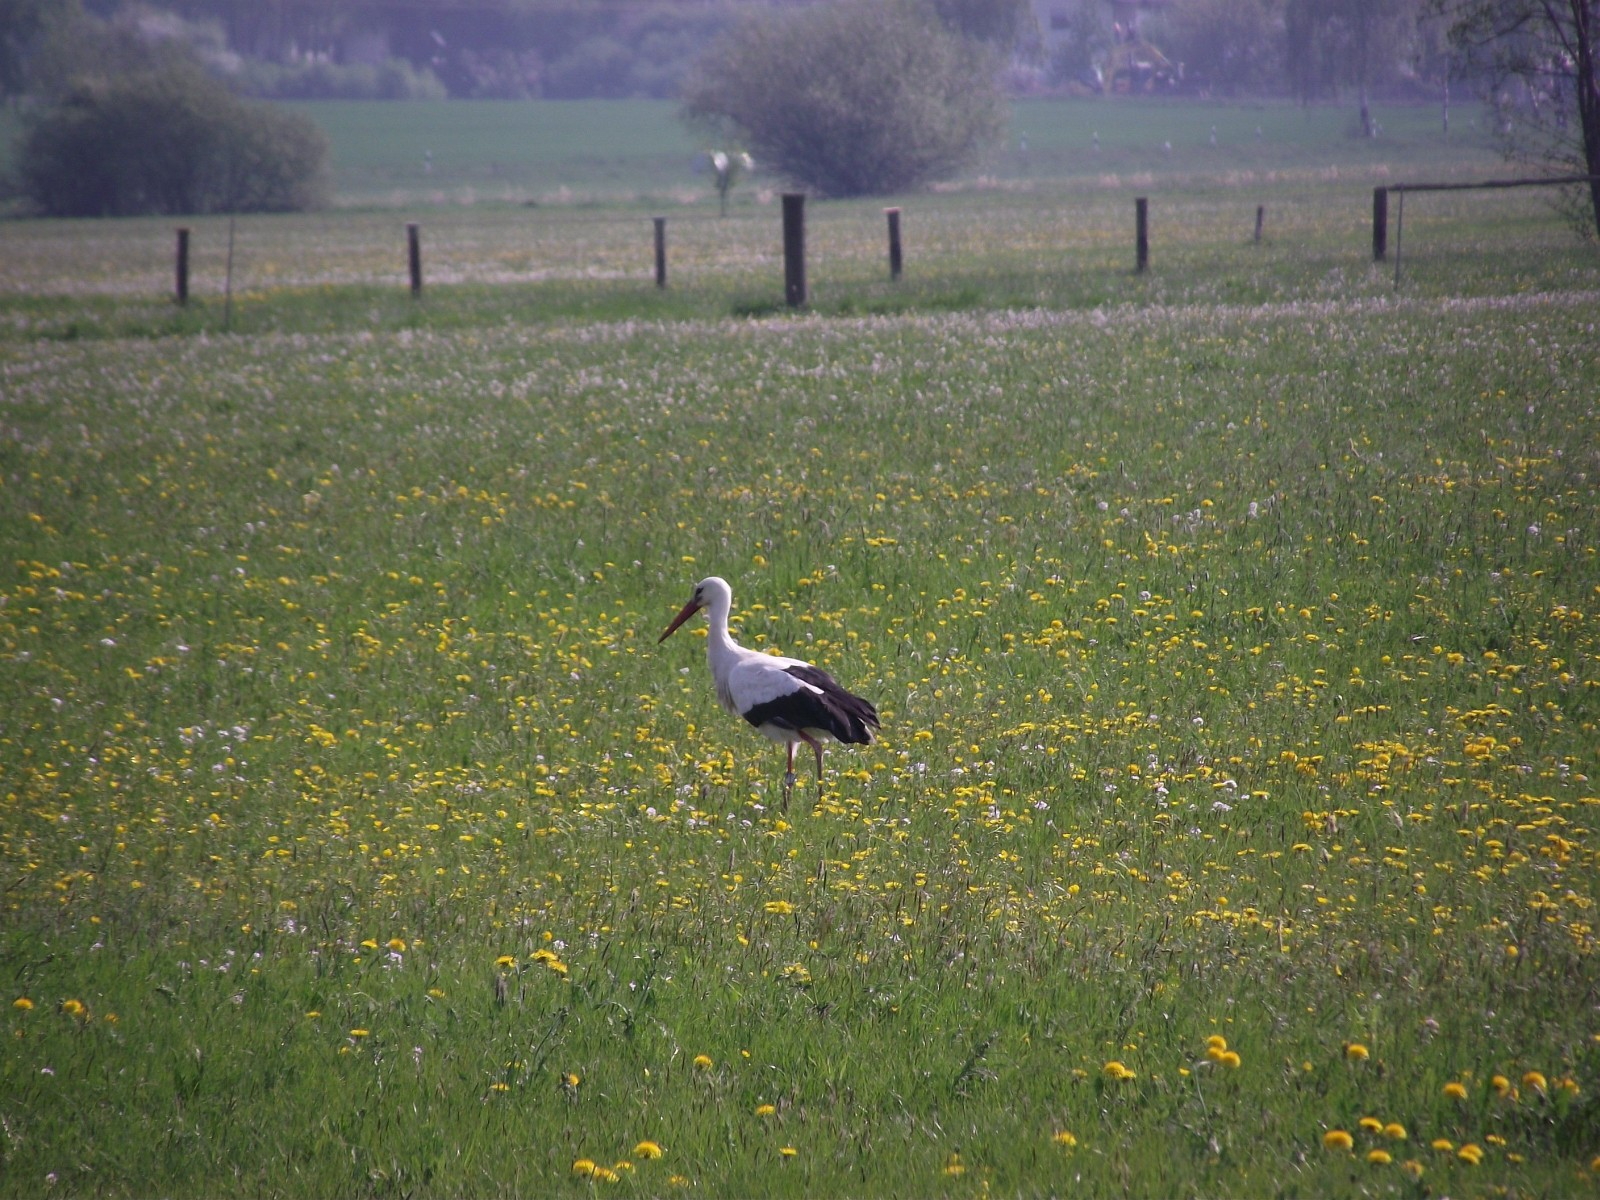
(168, 141)
(864, 97)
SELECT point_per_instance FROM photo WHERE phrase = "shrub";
(168, 141)
(863, 97)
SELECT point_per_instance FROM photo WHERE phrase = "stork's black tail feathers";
(849, 718)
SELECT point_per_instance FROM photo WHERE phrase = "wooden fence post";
(896, 260)
(1399, 234)
(794, 249)
(227, 281)
(1141, 236)
(1380, 224)
(661, 251)
(182, 267)
(414, 255)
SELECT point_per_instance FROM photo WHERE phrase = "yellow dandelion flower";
(1065, 1138)
(368, 944)
(1216, 1042)
(73, 1008)
(398, 945)
(765, 1110)
(584, 1168)
(505, 960)
(1594, 1164)
(500, 1087)
(1379, 1158)
(782, 907)
(677, 1181)
(1535, 1082)
(1395, 1131)
(22, 1004)
(570, 1080)
(702, 1062)
(360, 1033)
(1337, 1139)
(1455, 1090)
(954, 1166)
(1115, 1070)
(787, 1151)
(1356, 1052)
(542, 955)
(647, 1150)
(607, 1175)
(1413, 1169)
(1471, 1154)
(1371, 1125)
(1230, 1059)
(1501, 1085)
(1444, 1145)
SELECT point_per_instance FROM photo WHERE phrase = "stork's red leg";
(788, 775)
(816, 747)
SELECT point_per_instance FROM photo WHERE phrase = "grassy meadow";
(1232, 830)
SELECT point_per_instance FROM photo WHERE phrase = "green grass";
(1233, 629)
(1249, 693)
(561, 152)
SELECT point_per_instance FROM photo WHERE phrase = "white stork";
(785, 699)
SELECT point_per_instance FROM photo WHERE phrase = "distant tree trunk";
(1586, 16)
(1300, 48)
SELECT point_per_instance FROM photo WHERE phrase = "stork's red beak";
(688, 611)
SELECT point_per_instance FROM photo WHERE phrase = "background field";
(616, 151)
(1053, 229)
(1233, 827)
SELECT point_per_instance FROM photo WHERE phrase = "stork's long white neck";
(722, 652)
(719, 642)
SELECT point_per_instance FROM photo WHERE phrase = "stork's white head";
(711, 592)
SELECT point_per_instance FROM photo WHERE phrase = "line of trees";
(407, 49)
(1312, 50)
